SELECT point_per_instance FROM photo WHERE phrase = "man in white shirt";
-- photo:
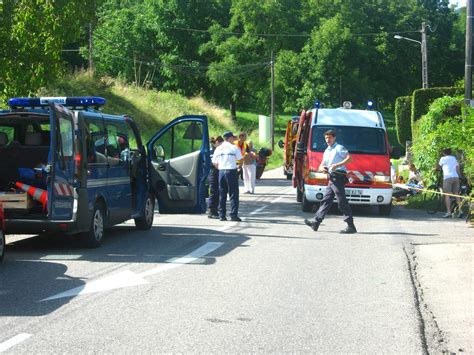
(450, 167)
(225, 159)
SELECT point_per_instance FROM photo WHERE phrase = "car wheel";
(94, 236)
(145, 222)
(385, 210)
(2, 244)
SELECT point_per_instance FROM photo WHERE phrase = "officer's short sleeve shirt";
(335, 154)
(226, 156)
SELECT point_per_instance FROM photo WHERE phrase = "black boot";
(350, 229)
(313, 224)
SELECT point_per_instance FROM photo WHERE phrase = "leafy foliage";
(403, 119)
(32, 36)
(422, 99)
(448, 124)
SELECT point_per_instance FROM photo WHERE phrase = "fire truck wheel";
(145, 222)
(384, 210)
(2, 245)
(93, 237)
(306, 205)
(299, 195)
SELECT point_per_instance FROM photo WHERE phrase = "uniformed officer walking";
(334, 160)
(225, 159)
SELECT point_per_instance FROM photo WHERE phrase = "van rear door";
(179, 163)
(61, 164)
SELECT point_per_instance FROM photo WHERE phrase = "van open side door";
(61, 164)
(179, 162)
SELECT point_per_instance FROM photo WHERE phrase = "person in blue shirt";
(334, 162)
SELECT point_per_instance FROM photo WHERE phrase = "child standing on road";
(250, 168)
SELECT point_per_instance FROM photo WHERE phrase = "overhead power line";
(280, 34)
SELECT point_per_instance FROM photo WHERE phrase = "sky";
(459, 3)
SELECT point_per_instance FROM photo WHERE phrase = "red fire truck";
(364, 134)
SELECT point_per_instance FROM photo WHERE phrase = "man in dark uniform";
(213, 179)
(334, 163)
(225, 159)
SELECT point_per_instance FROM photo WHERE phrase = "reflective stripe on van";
(108, 182)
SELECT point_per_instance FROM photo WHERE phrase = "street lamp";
(424, 53)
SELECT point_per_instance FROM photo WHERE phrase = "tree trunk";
(233, 110)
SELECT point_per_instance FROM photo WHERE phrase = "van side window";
(95, 141)
(66, 132)
(117, 143)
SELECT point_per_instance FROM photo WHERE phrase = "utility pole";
(91, 63)
(424, 56)
(272, 112)
(468, 64)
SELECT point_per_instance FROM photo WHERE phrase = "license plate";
(354, 192)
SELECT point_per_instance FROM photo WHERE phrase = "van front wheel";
(93, 237)
(145, 222)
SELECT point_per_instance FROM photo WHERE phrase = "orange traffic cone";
(35, 192)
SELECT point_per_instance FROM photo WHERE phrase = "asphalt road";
(191, 284)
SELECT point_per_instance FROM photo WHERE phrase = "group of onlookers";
(230, 157)
(449, 166)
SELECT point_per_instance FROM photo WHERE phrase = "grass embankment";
(152, 109)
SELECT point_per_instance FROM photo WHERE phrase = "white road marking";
(128, 278)
(123, 279)
(13, 341)
(189, 258)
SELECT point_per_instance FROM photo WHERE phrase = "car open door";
(61, 164)
(179, 162)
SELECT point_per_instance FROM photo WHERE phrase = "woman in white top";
(249, 168)
(450, 167)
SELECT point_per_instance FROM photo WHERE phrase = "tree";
(33, 33)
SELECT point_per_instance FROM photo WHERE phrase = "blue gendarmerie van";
(79, 170)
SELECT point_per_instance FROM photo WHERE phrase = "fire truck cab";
(364, 134)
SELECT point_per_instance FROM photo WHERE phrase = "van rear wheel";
(2, 244)
(93, 237)
(145, 222)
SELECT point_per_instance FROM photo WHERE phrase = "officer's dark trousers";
(213, 200)
(228, 184)
(335, 188)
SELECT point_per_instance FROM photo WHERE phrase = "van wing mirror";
(159, 153)
(281, 144)
(300, 148)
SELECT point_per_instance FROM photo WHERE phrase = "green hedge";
(446, 125)
(422, 99)
(403, 119)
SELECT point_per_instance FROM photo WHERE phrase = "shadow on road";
(32, 268)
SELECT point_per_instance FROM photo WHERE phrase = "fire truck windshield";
(358, 140)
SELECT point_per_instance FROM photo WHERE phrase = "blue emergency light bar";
(83, 101)
(370, 105)
(317, 104)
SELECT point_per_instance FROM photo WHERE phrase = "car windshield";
(361, 140)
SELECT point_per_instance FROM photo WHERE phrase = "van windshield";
(359, 140)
